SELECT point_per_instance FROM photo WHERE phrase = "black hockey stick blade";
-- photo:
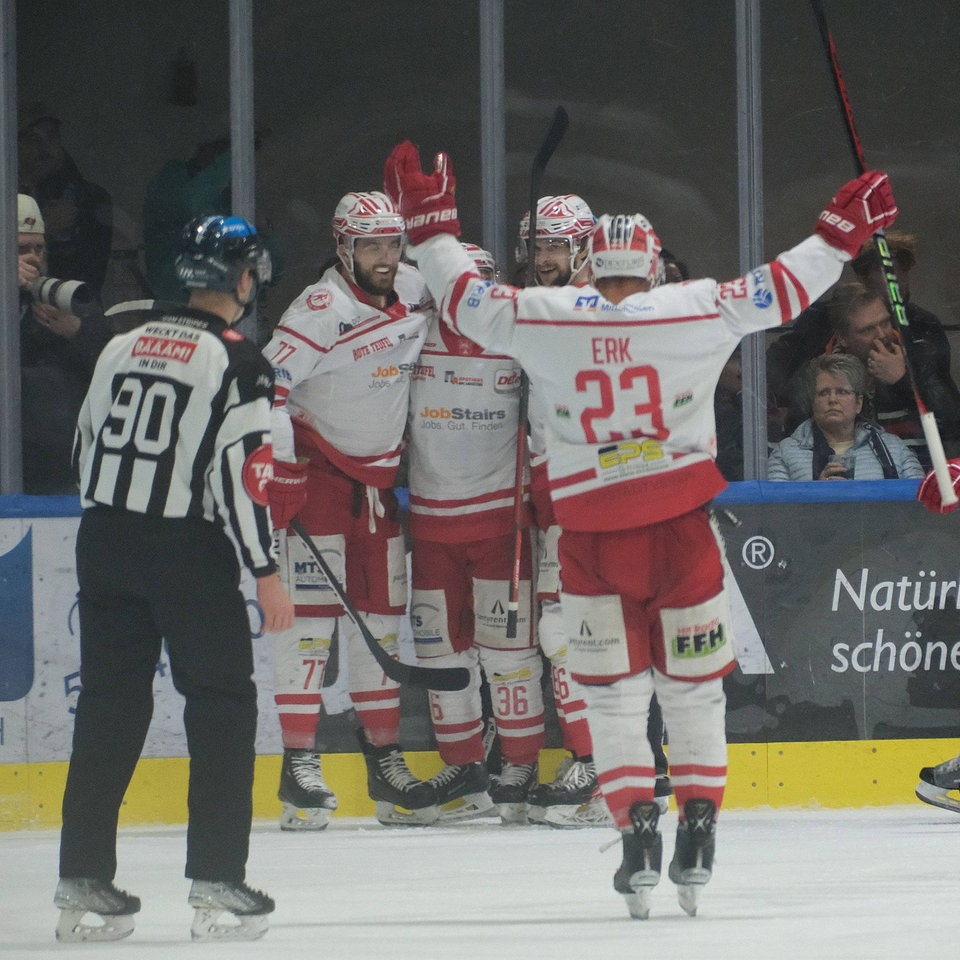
(440, 678)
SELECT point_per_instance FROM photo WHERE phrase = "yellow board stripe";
(848, 773)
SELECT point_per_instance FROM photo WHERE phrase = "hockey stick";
(928, 421)
(440, 678)
(558, 127)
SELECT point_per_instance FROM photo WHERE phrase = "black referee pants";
(143, 579)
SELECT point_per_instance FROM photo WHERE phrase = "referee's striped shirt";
(176, 423)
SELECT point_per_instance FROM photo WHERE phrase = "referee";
(173, 456)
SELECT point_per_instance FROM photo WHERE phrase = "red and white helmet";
(371, 214)
(482, 258)
(566, 216)
(625, 245)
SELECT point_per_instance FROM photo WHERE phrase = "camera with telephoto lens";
(74, 296)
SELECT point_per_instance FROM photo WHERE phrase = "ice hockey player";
(173, 456)
(628, 372)
(343, 353)
(573, 797)
(462, 430)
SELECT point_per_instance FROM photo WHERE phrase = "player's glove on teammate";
(860, 208)
(928, 492)
(425, 200)
(286, 492)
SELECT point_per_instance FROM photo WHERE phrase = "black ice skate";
(692, 863)
(937, 782)
(462, 792)
(572, 800)
(211, 899)
(510, 788)
(307, 800)
(399, 796)
(77, 896)
(639, 872)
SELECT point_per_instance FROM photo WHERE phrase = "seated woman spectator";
(835, 384)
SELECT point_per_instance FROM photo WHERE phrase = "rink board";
(846, 613)
(838, 774)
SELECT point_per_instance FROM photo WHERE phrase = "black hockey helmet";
(216, 250)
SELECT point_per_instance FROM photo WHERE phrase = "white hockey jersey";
(628, 387)
(464, 405)
(342, 368)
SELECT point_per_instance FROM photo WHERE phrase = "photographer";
(58, 351)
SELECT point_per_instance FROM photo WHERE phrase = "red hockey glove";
(425, 200)
(860, 208)
(286, 492)
(929, 493)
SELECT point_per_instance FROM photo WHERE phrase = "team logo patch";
(319, 299)
(258, 472)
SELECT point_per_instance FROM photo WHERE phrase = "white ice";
(788, 884)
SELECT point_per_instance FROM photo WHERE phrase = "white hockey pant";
(457, 715)
(515, 689)
(694, 713)
(300, 657)
(376, 697)
(568, 695)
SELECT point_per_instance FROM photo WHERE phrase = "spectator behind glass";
(78, 214)
(58, 351)
(813, 330)
(180, 191)
(863, 327)
(835, 385)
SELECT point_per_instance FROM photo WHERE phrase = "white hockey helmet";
(371, 214)
(566, 217)
(482, 258)
(625, 245)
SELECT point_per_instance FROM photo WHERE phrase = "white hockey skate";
(692, 864)
(639, 872)
(247, 908)
(936, 784)
(78, 896)
(462, 792)
(307, 800)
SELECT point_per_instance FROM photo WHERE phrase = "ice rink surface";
(875, 883)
